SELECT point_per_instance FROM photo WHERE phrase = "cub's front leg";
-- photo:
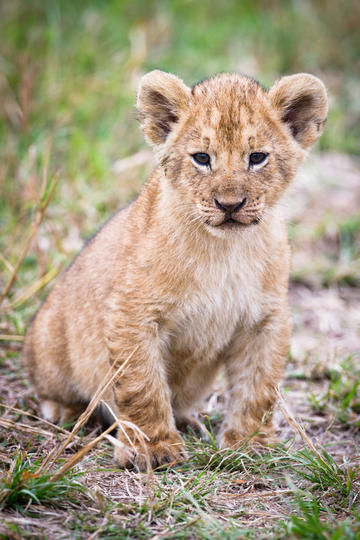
(141, 393)
(254, 366)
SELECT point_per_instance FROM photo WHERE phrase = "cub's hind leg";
(58, 413)
(45, 358)
(188, 391)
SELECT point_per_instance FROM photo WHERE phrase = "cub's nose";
(229, 207)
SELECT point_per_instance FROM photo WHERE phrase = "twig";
(38, 219)
(81, 453)
(295, 424)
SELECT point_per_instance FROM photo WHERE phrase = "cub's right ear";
(161, 99)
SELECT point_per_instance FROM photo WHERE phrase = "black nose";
(229, 207)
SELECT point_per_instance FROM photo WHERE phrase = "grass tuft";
(23, 485)
(313, 521)
(324, 473)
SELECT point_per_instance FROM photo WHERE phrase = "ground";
(305, 486)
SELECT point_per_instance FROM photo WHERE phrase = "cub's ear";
(302, 102)
(161, 99)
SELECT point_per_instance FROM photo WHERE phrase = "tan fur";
(167, 276)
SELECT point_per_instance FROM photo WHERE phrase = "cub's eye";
(201, 158)
(257, 157)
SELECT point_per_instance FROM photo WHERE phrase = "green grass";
(342, 395)
(23, 484)
(325, 474)
(314, 522)
(332, 248)
(214, 494)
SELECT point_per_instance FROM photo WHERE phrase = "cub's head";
(228, 146)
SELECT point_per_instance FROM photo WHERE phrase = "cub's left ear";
(302, 102)
(161, 99)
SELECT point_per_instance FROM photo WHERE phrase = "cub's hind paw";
(50, 411)
(56, 413)
(190, 423)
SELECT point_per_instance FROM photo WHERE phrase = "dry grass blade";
(257, 495)
(38, 219)
(35, 287)
(140, 436)
(134, 427)
(11, 337)
(295, 424)
(81, 453)
(84, 417)
(105, 434)
(9, 424)
(6, 263)
(25, 413)
(178, 529)
(94, 534)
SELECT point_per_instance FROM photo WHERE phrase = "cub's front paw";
(156, 453)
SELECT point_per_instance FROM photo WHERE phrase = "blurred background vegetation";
(68, 76)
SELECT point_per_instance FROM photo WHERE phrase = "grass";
(214, 494)
(309, 522)
(70, 154)
(23, 484)
(339, 263)
(325, 474)
(342, 395)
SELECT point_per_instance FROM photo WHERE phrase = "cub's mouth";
(230, 223)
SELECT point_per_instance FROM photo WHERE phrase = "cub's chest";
(205, 317)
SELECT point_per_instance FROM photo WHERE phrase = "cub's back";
(68, 327)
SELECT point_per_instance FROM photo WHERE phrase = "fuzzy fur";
(168, 276)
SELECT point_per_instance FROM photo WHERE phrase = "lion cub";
(192, 275)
